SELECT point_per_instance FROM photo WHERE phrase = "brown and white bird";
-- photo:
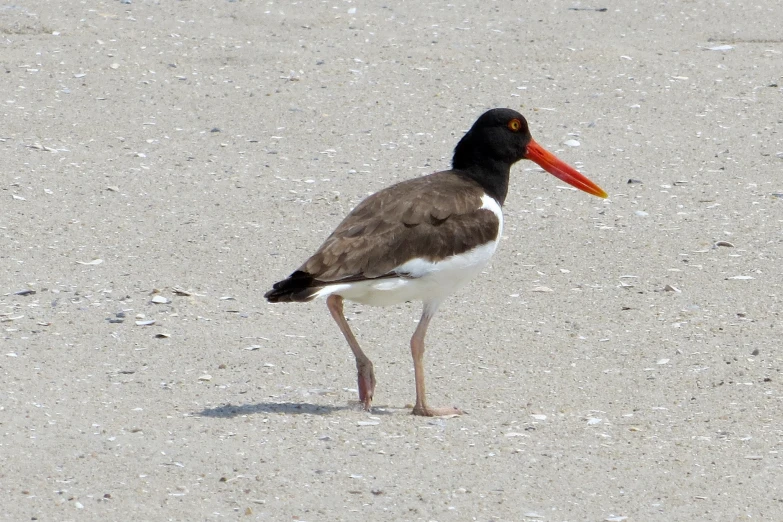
(422, 239)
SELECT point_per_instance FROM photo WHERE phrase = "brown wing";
(431, 217)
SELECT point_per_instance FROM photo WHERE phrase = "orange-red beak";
(558, 168)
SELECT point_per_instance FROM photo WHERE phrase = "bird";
(422, 239)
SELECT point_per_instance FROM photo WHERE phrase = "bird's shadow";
(228, 411)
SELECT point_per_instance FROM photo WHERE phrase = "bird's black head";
(497, 140)
(498, 136)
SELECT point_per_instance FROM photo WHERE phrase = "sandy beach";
(165, 162)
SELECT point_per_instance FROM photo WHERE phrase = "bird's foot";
(426, 411)
(366, 379)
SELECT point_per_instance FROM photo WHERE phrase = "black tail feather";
(298, 287)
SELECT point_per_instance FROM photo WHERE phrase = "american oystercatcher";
(422, 239)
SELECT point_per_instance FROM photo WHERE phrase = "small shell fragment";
(162, 335)
(26, 291)
(541, 289)
(159, 299)
(571, 143)
(93, 262)
(205, 377)
(724, 244)
(670, 288)
(741, 277)
(145, 323)
(367, 423)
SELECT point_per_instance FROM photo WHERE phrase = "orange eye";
(514, 125)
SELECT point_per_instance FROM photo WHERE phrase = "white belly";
(428, 280)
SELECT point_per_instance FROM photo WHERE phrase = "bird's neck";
(473, 159)
(491, 175)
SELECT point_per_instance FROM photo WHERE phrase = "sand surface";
(618, 360)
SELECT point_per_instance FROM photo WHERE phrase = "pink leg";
(366, 376)
(417, 350)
